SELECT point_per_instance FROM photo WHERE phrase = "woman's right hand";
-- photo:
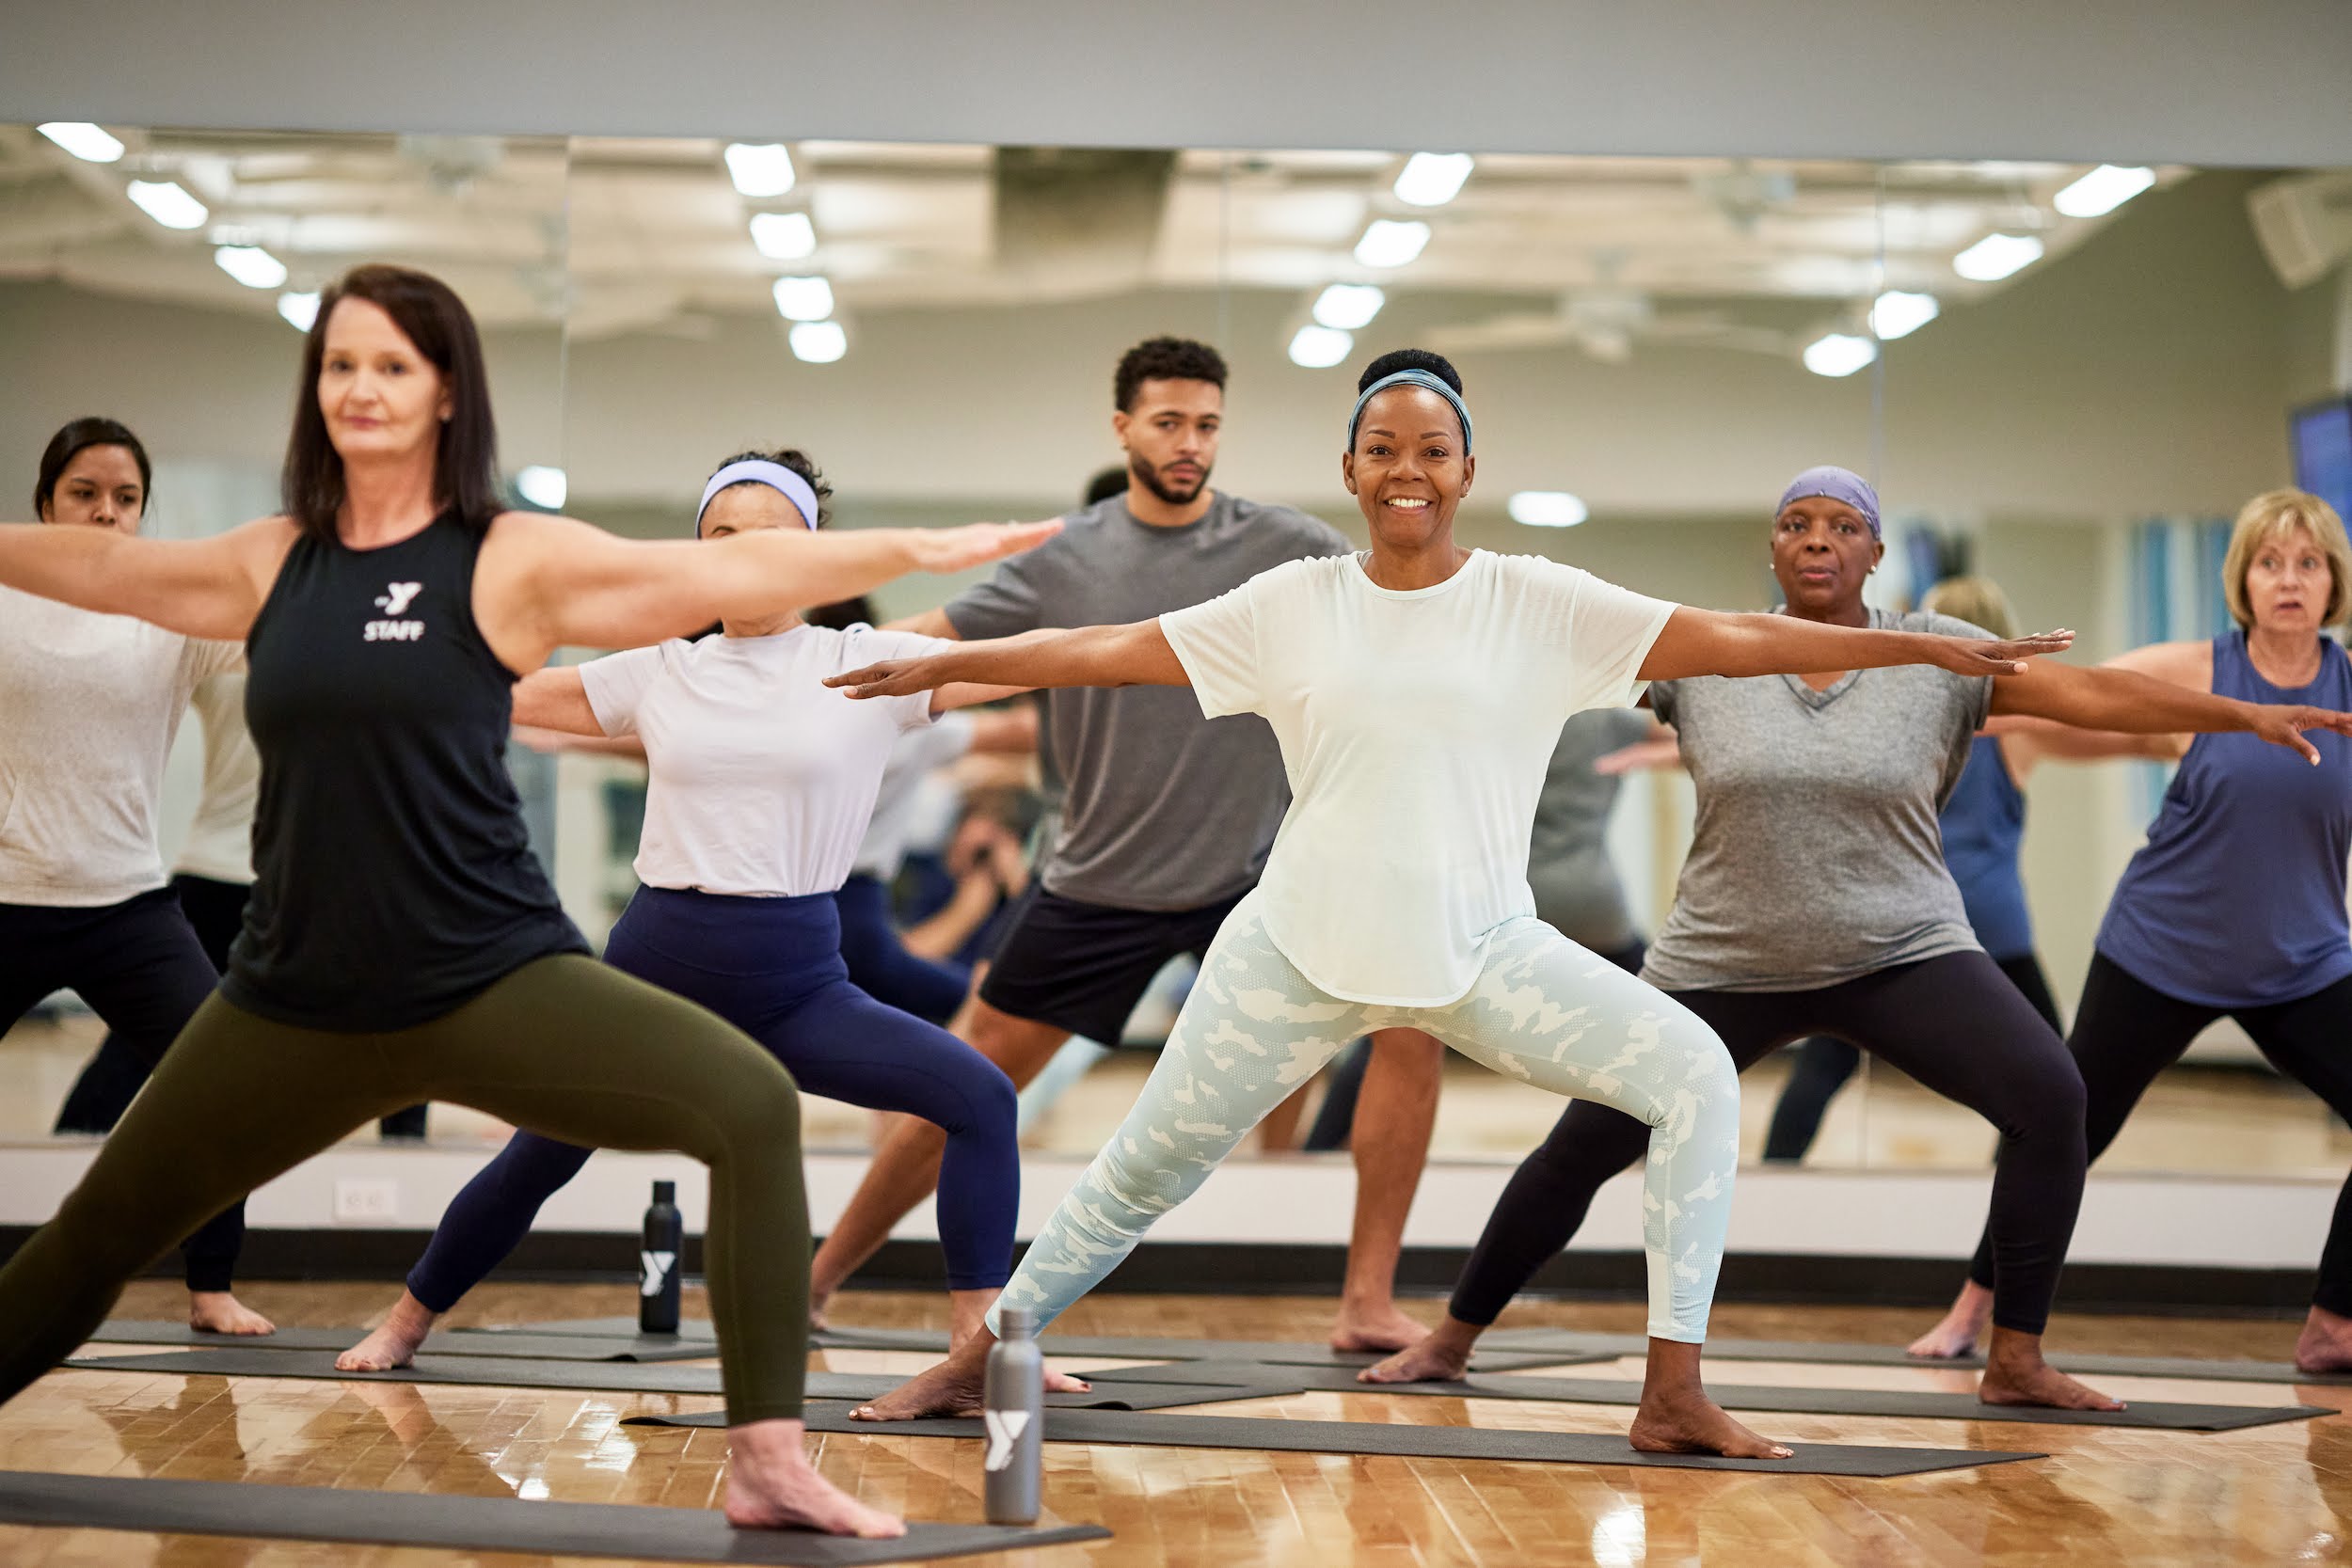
(959, 549)
(894, 677)
(1978, 656)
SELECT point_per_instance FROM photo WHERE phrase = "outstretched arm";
(1133, 654)
(2133, 703)
(548, 581)
(211, 588)
(1713, 643)
(555, 697)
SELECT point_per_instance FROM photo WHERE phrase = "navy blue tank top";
(393, 877)
(2237, 899)
(1983, 823)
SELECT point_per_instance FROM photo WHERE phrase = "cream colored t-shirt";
(1415, 727)
(88, 707)
(220, 839)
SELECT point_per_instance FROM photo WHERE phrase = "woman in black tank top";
(402, 944)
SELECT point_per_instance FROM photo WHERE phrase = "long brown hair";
(465, 466)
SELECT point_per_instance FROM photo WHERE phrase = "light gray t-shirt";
(1816, 857)
(1163, 809)
(1578, 893)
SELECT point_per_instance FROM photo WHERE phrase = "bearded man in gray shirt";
(1166, 822)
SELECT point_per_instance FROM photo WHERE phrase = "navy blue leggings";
(880, 964)
(772, 967)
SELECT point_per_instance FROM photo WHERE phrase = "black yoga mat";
(1537, 1340)
(1108, 1395)
(1272, 1352)
(1158, 1428)
(474, 1524)
(458, 1342)
(1799, 1401)
(626, 1377)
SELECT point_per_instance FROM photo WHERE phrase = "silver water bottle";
(1013, 1409)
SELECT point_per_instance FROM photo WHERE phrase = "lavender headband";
(1837, 484)
(1412, 378)
(757, 471)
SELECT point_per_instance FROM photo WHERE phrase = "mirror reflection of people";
(2235, 906)
(89, 703)
(1418, 692)
(1815, 900)
(403, 942)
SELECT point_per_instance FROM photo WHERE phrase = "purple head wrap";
(1837, 484)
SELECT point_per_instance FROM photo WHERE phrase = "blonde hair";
(2273, 515)
(1977, 601)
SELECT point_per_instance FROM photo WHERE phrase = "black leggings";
(1819, 1066)
(2126, 1032)
(1954, 1023)
(109, 1080)
(140, 968)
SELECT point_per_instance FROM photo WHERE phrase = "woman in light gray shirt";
(1816, 901)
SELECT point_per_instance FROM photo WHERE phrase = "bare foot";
(2016, 1374)
(771, 1485)
(394, 1341)
(1375, 1326)
(218, 1312)
(951, 1388)
(1697, 1424)
(2325, 1343)
(816, 1324)
(1440, 1358)
(1962, 1328)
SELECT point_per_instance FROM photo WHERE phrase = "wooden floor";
(2274, 1494)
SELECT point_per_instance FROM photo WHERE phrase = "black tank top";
(393, 877)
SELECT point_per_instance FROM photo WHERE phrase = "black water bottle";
(658, 1262)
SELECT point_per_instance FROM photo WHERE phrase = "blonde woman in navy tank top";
(402, 943)
(2235, 906)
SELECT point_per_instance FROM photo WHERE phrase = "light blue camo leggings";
(1542, 1010)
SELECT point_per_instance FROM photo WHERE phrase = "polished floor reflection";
(2280, 1493)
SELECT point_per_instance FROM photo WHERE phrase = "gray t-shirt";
(1577, 890)
(1816, 857)
(1163, 809)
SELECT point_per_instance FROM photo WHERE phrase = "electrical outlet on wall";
(366, 1201)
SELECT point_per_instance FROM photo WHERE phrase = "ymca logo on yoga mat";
(395, 599)
(1005, 1428)
(653, 1271)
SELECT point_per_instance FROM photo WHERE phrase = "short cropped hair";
(2273, 515)
(1163, 359)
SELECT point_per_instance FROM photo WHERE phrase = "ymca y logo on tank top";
(396, 599)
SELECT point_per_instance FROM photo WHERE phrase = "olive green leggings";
(564, 1046)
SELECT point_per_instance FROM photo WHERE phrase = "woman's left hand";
(2284, 723)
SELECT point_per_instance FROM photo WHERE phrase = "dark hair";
(1410, 359)
(784, 458)
(841, 614)
(79, 435)
(1163, 359)
(1104, 485)
(431, 317)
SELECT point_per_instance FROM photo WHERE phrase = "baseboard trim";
(1252, 1269)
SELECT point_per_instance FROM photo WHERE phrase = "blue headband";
(1837, 484)
(1411, 378)
(758, 471)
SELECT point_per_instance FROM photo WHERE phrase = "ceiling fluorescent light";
(1546, 509)
(167, 203)
(1838, 353)
(1346, 306)
(1897, 314)
(2103, 190)
(300, 308)
(1390, 243)
(1433, 178)
(84, 140)
(250, 265)
(543, 487)
(760, 169)
(1997, 256)
(1319, 348)
(783, 236)
(803, 299)
(820, 343)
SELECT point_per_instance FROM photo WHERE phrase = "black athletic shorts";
(1083, 967)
